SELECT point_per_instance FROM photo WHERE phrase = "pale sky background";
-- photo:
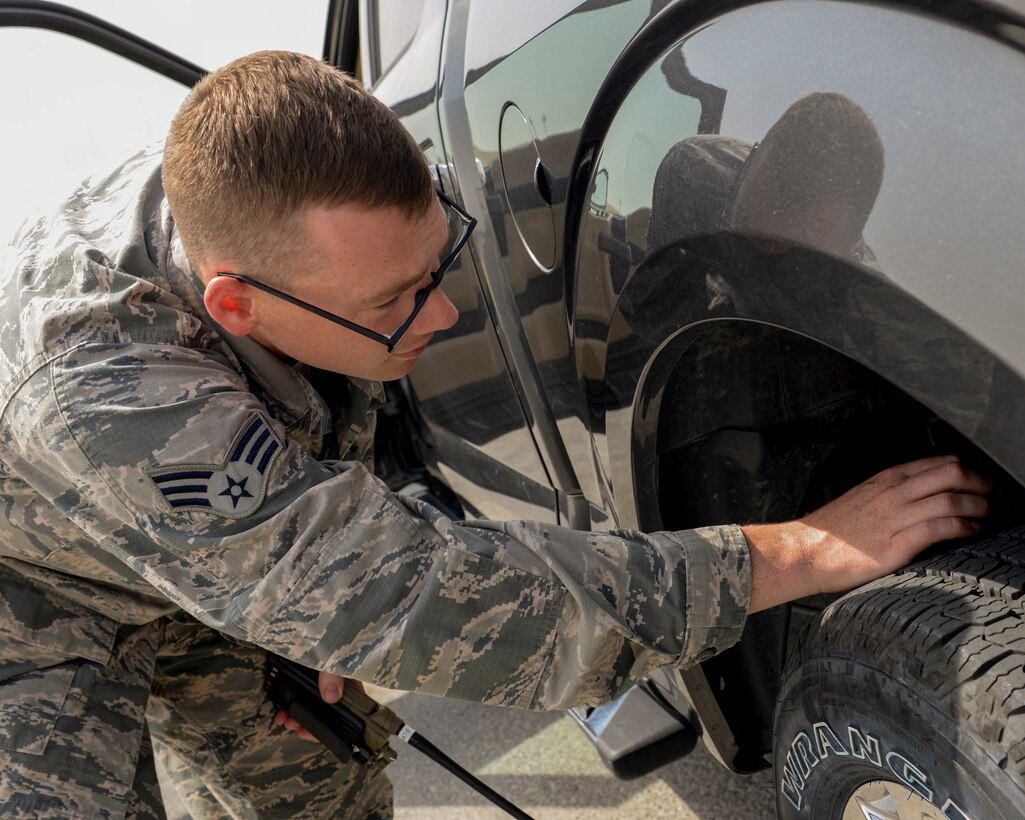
(71, 109)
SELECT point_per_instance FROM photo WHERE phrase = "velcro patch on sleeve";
(234, 488)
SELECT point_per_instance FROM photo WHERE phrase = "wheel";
(907, 696)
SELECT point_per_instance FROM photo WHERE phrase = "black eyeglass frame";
(422, 295)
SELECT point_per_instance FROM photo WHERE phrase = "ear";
(230, 304)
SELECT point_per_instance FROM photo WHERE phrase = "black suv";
(732, 259)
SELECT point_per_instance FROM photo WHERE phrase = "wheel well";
(758, 424)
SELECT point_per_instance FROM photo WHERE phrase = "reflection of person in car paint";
(809, 185)
(810, 182)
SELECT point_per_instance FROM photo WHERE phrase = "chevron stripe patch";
(235, 488)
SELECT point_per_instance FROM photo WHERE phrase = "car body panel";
(842, 45)
(535, 294)
(931, 314)
(481, 441)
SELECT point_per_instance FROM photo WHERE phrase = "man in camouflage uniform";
(186, 484)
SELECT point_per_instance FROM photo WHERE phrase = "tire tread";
(955, 622)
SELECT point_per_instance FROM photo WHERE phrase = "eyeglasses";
(467, 222)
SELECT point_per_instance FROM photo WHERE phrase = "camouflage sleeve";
(161, 455)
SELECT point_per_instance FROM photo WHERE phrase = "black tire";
(917, 679)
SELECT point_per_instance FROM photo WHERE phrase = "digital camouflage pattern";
(211, 729)
(182, 690)
(152, 465)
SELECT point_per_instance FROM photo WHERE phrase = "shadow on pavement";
(544, 764)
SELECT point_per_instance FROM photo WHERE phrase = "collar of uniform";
(353, 404)
(365, 397)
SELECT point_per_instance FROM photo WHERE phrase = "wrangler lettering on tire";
(910, 692)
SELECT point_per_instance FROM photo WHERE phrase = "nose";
(438, 313)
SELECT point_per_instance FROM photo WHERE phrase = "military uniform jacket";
(150, 463)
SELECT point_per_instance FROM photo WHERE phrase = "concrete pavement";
(543, 764)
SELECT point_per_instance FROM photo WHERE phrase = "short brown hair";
(270, 134)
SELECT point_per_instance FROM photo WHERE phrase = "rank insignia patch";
(233, 489)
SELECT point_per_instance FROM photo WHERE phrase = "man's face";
(365, 266)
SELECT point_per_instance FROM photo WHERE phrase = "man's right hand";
(870, 531)
(331, 689)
